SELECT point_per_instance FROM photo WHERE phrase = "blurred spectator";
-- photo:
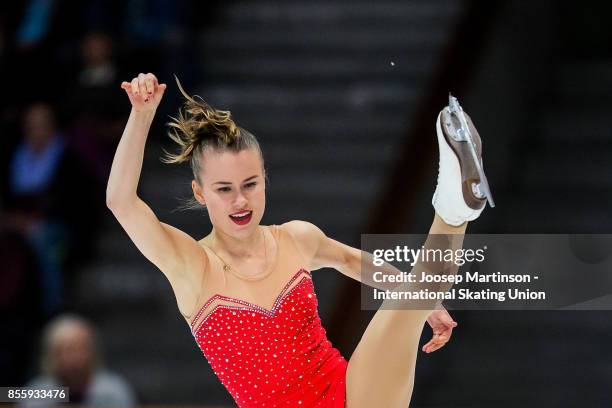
(45, 190)
(71, 358)
(98, 67)
(95, 105)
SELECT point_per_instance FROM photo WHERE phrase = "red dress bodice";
(276, 357)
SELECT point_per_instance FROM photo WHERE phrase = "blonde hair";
(199, 128)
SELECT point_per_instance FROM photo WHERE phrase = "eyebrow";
(228, 182)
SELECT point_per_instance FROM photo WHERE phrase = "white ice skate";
(462, 191)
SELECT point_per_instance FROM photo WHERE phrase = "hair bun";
(197, 121)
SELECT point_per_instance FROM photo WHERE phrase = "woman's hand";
(145, 92)
(442, 325)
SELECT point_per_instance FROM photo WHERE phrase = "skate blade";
(461, 134)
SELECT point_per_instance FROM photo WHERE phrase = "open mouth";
(242, 218)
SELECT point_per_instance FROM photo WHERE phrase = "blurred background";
(343, 97)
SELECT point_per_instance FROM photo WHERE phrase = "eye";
(223, 189)
(251, 184)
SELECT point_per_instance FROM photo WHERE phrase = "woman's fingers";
(428, 348)
(150, 83)
(437, 341)
(142, 87)
(127, 87)
(435, 347)
(144, 90)
(154, 79)
(134, 84)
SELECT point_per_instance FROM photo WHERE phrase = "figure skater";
(246, 290)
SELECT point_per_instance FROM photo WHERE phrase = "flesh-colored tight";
(381, 370)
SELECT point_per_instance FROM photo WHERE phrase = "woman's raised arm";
(174, 252)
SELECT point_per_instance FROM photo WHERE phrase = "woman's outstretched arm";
(174, 252)
(320, 251)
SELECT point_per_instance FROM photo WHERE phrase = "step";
(114, 285)
(410, 37)
(314, 100)
(332, 156)
(347, 186)
(165, 381)
(348, 128)
(557, 211)
(320, 12)
(581, 126)
(306, 68)
(153, 327)
(569, 168)
(585, 78)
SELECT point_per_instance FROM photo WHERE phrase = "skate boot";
(462, 191)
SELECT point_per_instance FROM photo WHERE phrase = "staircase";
(328, 87)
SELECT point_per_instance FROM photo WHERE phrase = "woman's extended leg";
(380, 372)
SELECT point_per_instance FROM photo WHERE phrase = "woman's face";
(234, 191)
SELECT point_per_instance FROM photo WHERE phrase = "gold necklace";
(228, 268)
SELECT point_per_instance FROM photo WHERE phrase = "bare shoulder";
(303, 230)
(319, 250)
(306, 236)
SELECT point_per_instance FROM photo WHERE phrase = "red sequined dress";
(270, 357)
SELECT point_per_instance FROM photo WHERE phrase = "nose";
(240, 201)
